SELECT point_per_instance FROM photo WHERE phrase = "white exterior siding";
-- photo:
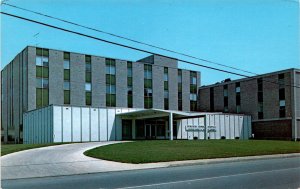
(82, 124)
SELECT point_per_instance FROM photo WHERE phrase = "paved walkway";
(68, 159)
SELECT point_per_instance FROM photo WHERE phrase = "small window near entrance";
(126, 129)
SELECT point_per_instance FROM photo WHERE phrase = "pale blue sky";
(256, 35)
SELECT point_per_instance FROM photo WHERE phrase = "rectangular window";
(42, 97)
(193, 91)
(179, 80)
(66, 85)
(129, 85)
(110, 66)
(148, 86)
(238, 109)
(88, 98)
(88, 87)
(212, 101)
(281, 94)
(66, 96)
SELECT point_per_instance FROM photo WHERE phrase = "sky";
(258, 36)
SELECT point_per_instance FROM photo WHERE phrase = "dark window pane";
(88, 67)
(88, 98)
(45, 72)
(45, 52)
(166, 104)
(39, 71)
(282, 112)
(129, 81)
(66, 56)
(39, 52)
(129, 99)
(45, 97)
(66, 74)
(282, 94)
(38, 98)
(260, 115)
(88, 77)
(66, 97)
(260, 96)
(88, 59)
(166, 86)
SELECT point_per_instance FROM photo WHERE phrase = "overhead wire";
(134, 48)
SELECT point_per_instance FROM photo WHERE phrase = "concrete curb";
(228, 160)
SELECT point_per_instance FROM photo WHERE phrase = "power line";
(126, 38)
(133, 48)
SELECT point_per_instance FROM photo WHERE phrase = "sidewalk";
(69, 160)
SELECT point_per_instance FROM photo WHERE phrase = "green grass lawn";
(161, 151)
(11, 148)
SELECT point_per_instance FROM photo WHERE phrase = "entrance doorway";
(150, 131)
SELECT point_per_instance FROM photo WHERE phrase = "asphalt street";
(272, 173)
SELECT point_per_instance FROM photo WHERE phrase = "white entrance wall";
(83, 124)
(215, 126)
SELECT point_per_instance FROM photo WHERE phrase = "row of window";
(260, 101)
(42, 82)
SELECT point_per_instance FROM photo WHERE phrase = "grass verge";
(11, 148)
(162, 151)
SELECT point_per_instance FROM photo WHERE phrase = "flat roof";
(154, 113)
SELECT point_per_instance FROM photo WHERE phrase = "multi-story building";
(38, 77)
(273, 101)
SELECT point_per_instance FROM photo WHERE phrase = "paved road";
(273, 173)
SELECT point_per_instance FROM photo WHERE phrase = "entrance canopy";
(154, 113)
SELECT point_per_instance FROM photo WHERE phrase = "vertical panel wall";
(138, 84)
(185, 90)
(98, 82)
(31, 78)
(158, 87)
(121, 83)
(77, 79)
(173, 88)
(56, 77)
(217, 126)
(38, 126)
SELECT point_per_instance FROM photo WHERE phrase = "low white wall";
(217, 125)
(73, 124)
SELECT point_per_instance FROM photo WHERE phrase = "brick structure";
(275, 108)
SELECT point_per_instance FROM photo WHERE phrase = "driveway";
(68, 159)
(59, 160)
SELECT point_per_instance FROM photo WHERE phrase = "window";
(88, 98)
(110, 82)
(281, 94)
(237, 88)
(88, 86)
(212, 101)
(260, 110)
(225, 90)
(66, 96)
(179, 78)
(148, 86)
(42, 75)
(238, 109)
(110, 66)
(67, 92)
(110, 89)
(166, 89)
(238, 97)
(42, 83)
(193, 91)
(66, 85)
(129, 85)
